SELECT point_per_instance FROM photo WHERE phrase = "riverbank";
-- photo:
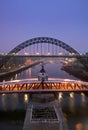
(77, 72)
(11, 73)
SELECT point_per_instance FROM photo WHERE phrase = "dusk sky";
(66, 20)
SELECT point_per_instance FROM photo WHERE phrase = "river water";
(74, 105)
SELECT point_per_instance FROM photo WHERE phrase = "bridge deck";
(46, 56)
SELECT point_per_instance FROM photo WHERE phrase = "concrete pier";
(44, 113)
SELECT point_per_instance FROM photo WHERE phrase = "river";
(74, 105)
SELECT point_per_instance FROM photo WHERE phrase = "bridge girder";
(43, 87)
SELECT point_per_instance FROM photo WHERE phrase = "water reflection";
(83, 102)
(53, 69)
(9, 101)
(60, 96)
(14, 101)
(79, 126)
(26, 98)
(86, 124)
(83, 125)
(71, 95)
(83, 97)
(72, 102)
(3, 101)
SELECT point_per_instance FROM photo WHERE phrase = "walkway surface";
(44, 113)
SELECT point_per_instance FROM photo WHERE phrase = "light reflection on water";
(83, 125)
(83, 97)
(26, 98)
(75, 106)
(12, 101)
(3, 101)
(72, 101)
(60, 96)
(79, 126)
(9, 101)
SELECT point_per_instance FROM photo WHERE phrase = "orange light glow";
(79, 126)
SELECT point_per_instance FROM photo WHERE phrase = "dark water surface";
(74, 105)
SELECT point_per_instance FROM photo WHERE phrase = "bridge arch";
(43, 40)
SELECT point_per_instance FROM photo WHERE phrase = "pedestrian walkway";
(44, 114)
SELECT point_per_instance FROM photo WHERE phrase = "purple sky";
(66, 20)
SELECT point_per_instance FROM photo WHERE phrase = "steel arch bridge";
(41, 40)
